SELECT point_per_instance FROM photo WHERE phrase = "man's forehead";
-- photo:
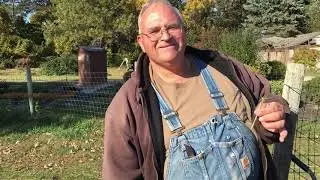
(159, 14)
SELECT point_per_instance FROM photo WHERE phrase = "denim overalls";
(221, 148)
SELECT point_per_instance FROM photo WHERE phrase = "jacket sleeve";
(120, 160)
(260, 87)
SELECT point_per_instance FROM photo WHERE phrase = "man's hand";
(272, 117)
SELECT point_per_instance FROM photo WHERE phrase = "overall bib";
(221, 148)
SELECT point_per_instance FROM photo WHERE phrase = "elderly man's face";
(170, 45)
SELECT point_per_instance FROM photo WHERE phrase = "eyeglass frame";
(161, 31)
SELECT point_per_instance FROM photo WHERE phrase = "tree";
(229, 14)
(112, 23)
(275, 17)
(5, 21)
(40, 16)
(23, 7)
(314, 15)
(198, 16)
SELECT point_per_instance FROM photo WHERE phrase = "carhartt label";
(245, 162)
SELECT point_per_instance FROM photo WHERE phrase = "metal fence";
(307, 135)
(90, 95)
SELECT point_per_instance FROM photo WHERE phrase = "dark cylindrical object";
(92, 65)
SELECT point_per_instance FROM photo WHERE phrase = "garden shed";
(282, 49)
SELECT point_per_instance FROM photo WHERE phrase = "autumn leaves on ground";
(50, 145)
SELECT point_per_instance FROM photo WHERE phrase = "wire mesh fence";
(307, 136)
(90, 94)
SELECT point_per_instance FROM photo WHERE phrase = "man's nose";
(165, 35)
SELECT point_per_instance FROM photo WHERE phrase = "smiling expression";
(169, 48)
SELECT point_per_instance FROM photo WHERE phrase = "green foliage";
(313, 12)
(276, 87)
(198, 17)
(311, 91)
(263, 68)
(228, 14)
(111, 23)
(306, 56)
(12, 48)
(60, 65)
(7, 62)
(40, 16)
(281, 18)
(240, 45)
(278, 70)
(5, 21)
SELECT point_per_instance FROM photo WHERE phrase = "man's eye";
(173, 27)
(154, 32)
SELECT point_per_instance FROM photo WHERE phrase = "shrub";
(7, 62)
(60, 65)
(262, 68)
(276, 87)
(240, 45)
(306, 56)
(114, 59)
(311, 90)
(278, 70)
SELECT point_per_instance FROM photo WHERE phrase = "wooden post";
(29, 86)
(291, 92)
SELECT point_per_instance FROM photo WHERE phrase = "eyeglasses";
(156, 34)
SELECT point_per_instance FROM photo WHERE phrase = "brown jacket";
(133, 138)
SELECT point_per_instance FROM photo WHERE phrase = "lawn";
(19, 75)
(52, 144)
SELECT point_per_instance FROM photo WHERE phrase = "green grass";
(50, 145)
(19, 75)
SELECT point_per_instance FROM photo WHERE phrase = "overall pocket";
(218, 161)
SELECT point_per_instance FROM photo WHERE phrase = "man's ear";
(139, 41)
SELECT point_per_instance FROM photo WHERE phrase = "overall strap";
(167, 113)
(216, 96)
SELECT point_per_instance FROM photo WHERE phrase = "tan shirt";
(192, 102)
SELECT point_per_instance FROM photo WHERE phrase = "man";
(187, 113)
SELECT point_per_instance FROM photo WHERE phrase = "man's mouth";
(169, 45)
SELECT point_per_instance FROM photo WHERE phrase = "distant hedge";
(306, 56)
(278, 70)
(60, 65)
(311, 91)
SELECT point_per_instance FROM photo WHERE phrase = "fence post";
(291, 92)
(29, 86)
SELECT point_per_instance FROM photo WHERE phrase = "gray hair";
(152, 2)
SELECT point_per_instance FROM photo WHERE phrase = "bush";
(60, 65)
(278, 70)
(311, 91)
(240, 45)
(276, 87)
(306, 56)
(262, 68)
(7, 63)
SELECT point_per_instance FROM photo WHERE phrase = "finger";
(273, 116)
(267, 108)
(283, 134)
(274, 125)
